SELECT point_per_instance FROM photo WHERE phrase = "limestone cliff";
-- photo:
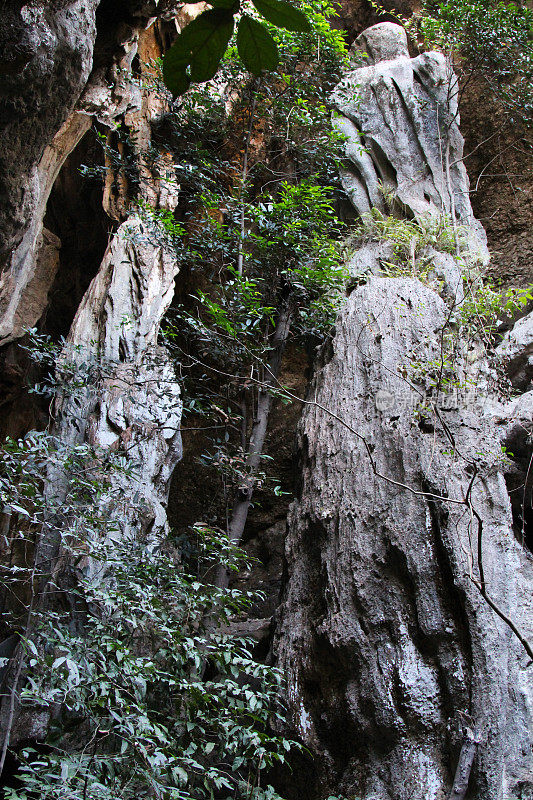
(405, 623)
(403, 567)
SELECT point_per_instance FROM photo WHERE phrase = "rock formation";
(70, 76)
(392, 653)
(54, 43)
(400, 116)
(129, 400)
(407, 607)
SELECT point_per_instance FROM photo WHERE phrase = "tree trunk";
(243, 496)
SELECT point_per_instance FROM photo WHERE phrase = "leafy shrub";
(127, 650)
(492, 38)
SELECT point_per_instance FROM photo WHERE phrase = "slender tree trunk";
(243, 496)
(242, 237)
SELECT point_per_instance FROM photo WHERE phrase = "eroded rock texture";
(47, 50)
(64, 63)
(386, 640)
(401, 118)
(131, 403)
(390, 650)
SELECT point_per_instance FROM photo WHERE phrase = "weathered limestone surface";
(386, 641)
(47, 51)
(28, 276)
(516, 350)
(389, 648)
(59, 74)
(132, 401)
(401, 119)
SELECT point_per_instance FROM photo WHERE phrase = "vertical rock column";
(132, 404)
(390, 651)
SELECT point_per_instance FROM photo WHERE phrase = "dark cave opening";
(519, 481)
(75, 214)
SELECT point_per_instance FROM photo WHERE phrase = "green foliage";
(493, 38)
(149, 694)
(427, 231)
(412, 242)
(138, 716)
(259, 185)
(256, 46)
(486, 307)
(200, 47)
(292, 245)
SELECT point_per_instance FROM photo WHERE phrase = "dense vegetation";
(490, 39)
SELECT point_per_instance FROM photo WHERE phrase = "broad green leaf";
(256, 46)
(201, 45)
(176, 79)
(283, 14)
(209, 42)
(231, 5)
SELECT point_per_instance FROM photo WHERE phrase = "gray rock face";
(390, 650)
(400, 118)
(50, 94)
(516, 350)
(48, 50)
(27, 278)
(49, 47)
(388, 646)
(133, 404)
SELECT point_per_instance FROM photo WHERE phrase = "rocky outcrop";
(48, 53)
(389, 647)
(407, 591)
(404, 148)
(29, 274)
(131, 401)
(65, 62)
(516, 352)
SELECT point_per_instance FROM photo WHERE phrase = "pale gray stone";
(401, 119)
(516, 352)
(385, 41)
(384, 639)
(133, 404)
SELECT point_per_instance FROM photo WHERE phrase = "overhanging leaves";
(257, 48)
(199, 48)
(283, 14)
(201, 45)
(175, 77)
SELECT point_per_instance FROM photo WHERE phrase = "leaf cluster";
(495, 39)
(197, 52)
(152, 695)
